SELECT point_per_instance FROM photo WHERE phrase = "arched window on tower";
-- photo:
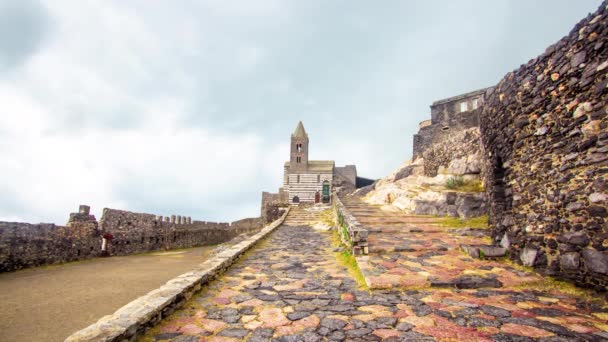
(299, 147)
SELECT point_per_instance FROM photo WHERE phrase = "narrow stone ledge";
(136, 317)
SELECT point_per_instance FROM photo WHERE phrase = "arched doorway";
(295, 200)
(325, 192)
(317, 197)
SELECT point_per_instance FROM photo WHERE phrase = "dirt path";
(291, 288)
(49, 303)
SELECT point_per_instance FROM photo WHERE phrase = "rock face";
(544, 129)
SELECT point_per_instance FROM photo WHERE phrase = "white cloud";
(187, 108)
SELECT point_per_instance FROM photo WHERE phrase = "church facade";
(308, 181)
(304, 180)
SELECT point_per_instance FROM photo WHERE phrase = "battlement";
(26, 245)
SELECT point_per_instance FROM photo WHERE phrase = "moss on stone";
(480, 222)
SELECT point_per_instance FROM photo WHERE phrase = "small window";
(464, 106)
(318, 178)
(299, 147)
(475, 103)
(298, 179)
(298, 160)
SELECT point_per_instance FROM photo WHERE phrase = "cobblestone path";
(291, 288)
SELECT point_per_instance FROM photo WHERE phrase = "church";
(308, 181)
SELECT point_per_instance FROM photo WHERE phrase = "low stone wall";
(135, 318)
(545, 132)
(24, 245)
(351, 231)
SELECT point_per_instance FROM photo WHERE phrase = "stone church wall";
(545, 132)
(25, 245)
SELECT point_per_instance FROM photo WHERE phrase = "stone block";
(528, 256)
(569, 261)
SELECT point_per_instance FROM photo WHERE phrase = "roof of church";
(318, 165)
(300, 132)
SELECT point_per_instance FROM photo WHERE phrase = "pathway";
(291, 288)
(415, 251)
(49, 303)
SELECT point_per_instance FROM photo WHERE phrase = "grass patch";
(458, 183)
(348, 260)
(327, 217)
(480, 222)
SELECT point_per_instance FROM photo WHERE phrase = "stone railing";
(135, 318)
(351, 231)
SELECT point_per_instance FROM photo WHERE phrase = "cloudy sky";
(186, 107)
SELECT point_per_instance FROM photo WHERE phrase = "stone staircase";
(304, 215)
(417, 251)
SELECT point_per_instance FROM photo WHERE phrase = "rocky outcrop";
(545, 132)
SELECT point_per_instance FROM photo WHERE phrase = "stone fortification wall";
(545, 132)
(25, 245)
(448, 117)
(137, 232)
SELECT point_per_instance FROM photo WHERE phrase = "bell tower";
(299, 149)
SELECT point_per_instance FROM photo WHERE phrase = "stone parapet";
(135, 318)
(352, 233)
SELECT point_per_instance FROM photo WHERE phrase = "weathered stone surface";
(596, 261)
(547, 174)
(528, 256)
(569, 261)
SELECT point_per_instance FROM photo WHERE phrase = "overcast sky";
(186, 107)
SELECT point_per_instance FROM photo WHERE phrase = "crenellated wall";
(25, 245)
(545, 133)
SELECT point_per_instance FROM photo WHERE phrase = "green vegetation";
(454, 182)
(350, 262)
(458, 183)
(456, 222)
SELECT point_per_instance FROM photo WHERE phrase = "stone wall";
(545, 131)
(457, 153)
(273, 205)
(448, 117)
(25, 245)
(137, 232)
